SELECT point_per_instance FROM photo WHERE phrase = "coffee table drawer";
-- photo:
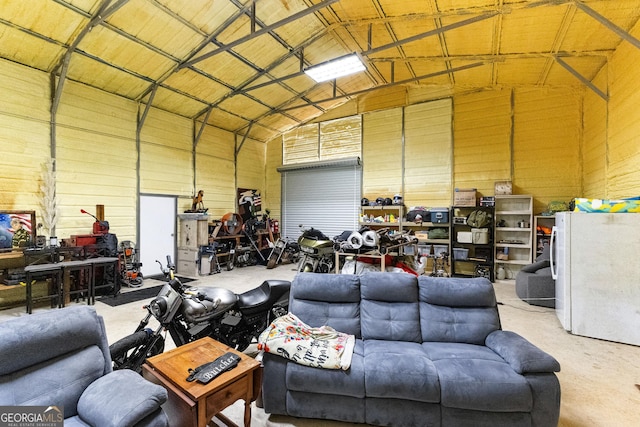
(240, 389)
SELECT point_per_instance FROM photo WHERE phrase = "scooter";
(191, 313)
(316, 251)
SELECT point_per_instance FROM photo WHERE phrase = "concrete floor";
(600, 380)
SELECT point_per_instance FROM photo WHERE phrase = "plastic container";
(424, 250)
(439, 249)
(439, 215)
(460, 253)
(465, 236)
(479, 236)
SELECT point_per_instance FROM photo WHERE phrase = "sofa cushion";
(457, 310)
(456, 291)
(327, 299)
(329, 381)
(483, 385)
(451, 350)
(60, 381)
(79, 327)
(399, 370)
(389, 309)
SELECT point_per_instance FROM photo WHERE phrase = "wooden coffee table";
(194, 404)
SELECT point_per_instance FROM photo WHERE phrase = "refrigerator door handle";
(554, 236)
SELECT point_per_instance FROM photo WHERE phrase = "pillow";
(120, 398)
(532, 268)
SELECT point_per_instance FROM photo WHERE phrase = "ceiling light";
(335, 68)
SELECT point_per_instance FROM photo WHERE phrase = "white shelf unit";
(511, 236)
(381, 211)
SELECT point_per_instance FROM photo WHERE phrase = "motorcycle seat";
(267, 294)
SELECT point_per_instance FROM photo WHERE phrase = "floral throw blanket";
(322, 347)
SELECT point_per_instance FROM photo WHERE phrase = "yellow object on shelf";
(631, 205)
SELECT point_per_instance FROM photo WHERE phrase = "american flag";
(25, 220)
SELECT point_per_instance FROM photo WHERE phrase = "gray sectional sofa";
(429, 352)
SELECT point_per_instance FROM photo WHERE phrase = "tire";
(124, 352)
(271, 263)
(231, 262)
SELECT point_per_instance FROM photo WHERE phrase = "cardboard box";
(464, 197)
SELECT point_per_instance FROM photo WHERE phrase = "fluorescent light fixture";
(335, 68)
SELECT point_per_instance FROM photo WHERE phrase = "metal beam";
(146, 109)
(204, 123)
(384, 86)
(610, 25)
(263, 30)
(244, 138)
(431, 33)
(583, 79)
(103, 12)
(388, 46)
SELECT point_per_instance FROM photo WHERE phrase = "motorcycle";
(284, 251)
(316, 251)
(191, 313)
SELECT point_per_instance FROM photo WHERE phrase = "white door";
(157, 232)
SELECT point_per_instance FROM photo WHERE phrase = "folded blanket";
(322, 347)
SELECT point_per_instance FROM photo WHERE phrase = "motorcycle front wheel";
(131, 351)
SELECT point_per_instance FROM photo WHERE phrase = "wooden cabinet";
(471, 245)
(194, 232)
(513, 234)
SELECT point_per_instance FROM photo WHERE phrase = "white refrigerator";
(596, 264)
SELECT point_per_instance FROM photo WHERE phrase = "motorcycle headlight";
(158, 307)
(308, 250)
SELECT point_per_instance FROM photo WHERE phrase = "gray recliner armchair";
(61, 358)
(534, 283)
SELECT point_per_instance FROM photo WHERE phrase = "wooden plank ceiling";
(237, 63)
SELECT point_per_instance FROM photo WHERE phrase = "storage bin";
(465, 237)
(424, 250)
(480, 236)
(460, 253)
(439, 249)
(439, 215)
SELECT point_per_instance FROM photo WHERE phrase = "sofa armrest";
(522, 356)
(120, 398)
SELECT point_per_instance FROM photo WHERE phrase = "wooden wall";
(623, 122)
(555, 144)
(97, 156)
(24, 135)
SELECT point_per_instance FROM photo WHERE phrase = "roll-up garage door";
(323, 195)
